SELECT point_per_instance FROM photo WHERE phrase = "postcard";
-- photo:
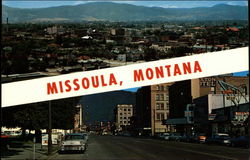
(125, 80)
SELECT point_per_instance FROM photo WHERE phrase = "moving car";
(242, 141)
(74, 142)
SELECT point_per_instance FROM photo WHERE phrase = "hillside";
(100, 107)
(108, 11)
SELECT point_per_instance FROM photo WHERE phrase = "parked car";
(242, 141)
(126, 134)
(219, 138)
(175, 136)
(164, 136)
(13, 133)
(200, 138)
(86, 135)
(74, 142)
(5, 141)
(185, 138)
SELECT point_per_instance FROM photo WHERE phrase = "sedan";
(74, 142)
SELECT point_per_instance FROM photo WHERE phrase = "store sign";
(240, 118)
(241, 113)
(230, 97)
(189, 113)
(207, 82)
(211, 117)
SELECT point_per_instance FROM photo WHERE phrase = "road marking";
(209, 154)
(197, 152)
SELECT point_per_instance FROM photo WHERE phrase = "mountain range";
(109, 11)
(100, 107)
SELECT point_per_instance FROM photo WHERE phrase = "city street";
(130, 148)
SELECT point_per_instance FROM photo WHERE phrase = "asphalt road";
(129, 148)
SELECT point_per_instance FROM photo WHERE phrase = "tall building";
(152, 107)
(123, 114)
(78, 123)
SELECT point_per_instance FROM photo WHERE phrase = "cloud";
(165, 6)
(241, 3)
(82, 2)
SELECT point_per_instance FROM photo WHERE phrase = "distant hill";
(108, 11)
(100, 107)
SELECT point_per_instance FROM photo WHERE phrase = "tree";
(35, 116)
(150, 54)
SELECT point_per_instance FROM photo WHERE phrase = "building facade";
(123, 116)
(152, 107)
(205, 94)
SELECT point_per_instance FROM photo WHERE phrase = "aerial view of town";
(196, 119)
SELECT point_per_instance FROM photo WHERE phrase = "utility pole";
(49, 131)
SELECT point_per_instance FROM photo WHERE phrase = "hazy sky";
(165, 4)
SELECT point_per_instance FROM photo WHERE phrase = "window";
(160, 116)
(120, 113)
(129, 109)
(167, 88)
(159, 106)
(167, 97)
(167, 106)
(162, 88)
(157, 88)
(161, 97)
(157, 97)
(125, 109)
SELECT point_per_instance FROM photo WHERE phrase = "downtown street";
(131, 148)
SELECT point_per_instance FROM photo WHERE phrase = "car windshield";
(224, 137)
(74, 137)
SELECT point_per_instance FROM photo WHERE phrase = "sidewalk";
(25, 151)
